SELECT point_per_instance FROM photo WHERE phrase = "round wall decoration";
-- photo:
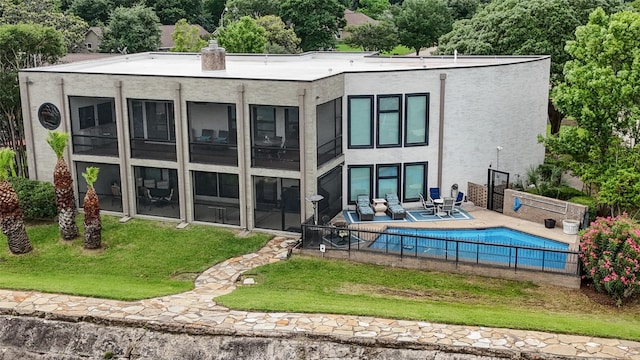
(49, 116)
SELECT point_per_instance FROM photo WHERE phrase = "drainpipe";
(122, 151)
(28, 130)
(182, 193)
(443, 77)
(302, 144)
(243, 164)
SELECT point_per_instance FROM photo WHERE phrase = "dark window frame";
(370, 167)
(400, 119)
(398, 178)
(426, 120)
(371, 123)
(425, 164)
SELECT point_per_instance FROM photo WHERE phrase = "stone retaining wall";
(33, 338)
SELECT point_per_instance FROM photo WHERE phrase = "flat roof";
(298, 67)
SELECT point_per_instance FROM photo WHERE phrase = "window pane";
(389, 104)
(360, 122)
(387, 186)
(389, 130)
(416, 119)
(388, 171)
(414, 181)
(360, 182)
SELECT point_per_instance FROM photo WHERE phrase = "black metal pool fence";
(350, 239)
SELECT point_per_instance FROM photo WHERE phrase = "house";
(93, 37)
(354, 18)
(246, 140)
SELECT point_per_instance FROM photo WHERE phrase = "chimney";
(213, 57)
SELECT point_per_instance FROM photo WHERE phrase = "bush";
(37, 198)
(610, 254)
(588, 201)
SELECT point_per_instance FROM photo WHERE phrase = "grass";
(398, 50)
(312, 285)
(140, 259)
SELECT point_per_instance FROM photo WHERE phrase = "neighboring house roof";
(166, 39)
(356, 18)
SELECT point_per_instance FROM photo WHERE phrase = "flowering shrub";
(610, 253)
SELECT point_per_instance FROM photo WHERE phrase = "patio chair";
(363, 208)
(458, 202)
(446, 208)
(434, 192)
(394, 208)
(428, 205)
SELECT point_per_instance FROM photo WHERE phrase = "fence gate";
(498, 181)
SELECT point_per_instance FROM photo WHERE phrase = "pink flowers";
(610, 254)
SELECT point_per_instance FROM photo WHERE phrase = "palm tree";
(63, 183)
(92, 221)
(11, 219)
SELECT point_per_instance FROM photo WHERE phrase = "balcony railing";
(153, 149)
(105, 145)
(275, 157)
(329, 150)
(213, 153)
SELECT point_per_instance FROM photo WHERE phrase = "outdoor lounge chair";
(446, 208)
(363, 208)
(458, 202)
(428, 205)
(394, 208)
(434, 192)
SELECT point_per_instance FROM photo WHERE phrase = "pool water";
(494, 245)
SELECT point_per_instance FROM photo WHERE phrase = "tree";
(94, 12)
(243, 36)
(212, 11)
(46, 13)
(372, 37)
(600, 92)
(316, 22)
(92, 219)
(523, 27)
(171, 11)
(187, 38)
(131, 30)
(462, 9)
(373, 8)
(280, 38)
(22, 46)
(63, 183)
(421, 22)
(11, 219)
(252, 8)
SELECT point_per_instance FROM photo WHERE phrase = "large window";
(216, 197)
(417, 119)
(330, 187)
(329, 130)
(360, 121)
(275, 142)
(277, 203)
(360, 181)
(152, 124)
(264, 118)
(157, 191)
(415, 181)
(93, 126)
(388, 178)
(389, 124)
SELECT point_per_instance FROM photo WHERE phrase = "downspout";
(28, 127)
(242, 160)
(180, 154)
(122, 149)
(303, 162)
(443, 77)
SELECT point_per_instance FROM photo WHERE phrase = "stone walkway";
(197, 310)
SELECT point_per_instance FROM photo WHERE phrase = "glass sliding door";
(277, 203)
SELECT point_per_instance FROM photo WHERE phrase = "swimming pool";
(490, 245)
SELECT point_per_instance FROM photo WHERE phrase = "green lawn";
(139, 259)
(398, 50)
(328, 286)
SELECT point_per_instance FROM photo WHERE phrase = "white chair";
(428, 205)
(447, 207)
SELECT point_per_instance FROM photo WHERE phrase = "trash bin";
(570, 227)
(549, 223)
